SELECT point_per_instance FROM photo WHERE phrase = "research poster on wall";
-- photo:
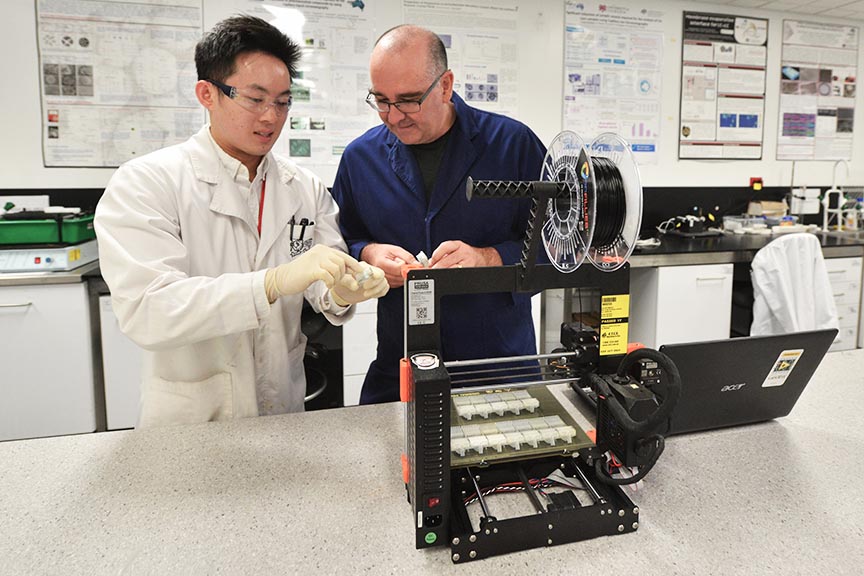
(117, 78)
(612, 74)
(329, 108)
(482, 49)
(723, 66)
(818, 72)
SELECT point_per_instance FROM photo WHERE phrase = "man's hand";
(318, 263)
(390, 259)
(456, 254)
(348, 290)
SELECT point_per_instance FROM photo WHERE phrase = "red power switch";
(432, 502)
(37, 260)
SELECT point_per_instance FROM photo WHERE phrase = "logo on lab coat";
(298, 247)
(301, 235)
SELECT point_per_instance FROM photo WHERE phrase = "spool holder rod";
(539, 192)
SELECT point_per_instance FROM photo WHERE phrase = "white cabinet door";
(46, 362)
(359, 344)
(844, 274)
(351, 387)
(675, 304)
(121, 365)
(359, 347)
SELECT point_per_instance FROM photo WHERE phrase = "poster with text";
(329, 108)
(482, 48)
(117, 78)
(722, 86)
(818, 71)
(612, 74)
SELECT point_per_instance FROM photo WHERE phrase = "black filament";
(611, 203)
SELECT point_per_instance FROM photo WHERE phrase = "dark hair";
(216, 52)
(437, 52)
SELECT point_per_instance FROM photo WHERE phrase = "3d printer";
(490, 426)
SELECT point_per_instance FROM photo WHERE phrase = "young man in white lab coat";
(209, 247)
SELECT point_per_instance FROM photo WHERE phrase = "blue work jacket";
(381, 198)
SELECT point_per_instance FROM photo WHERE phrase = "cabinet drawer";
(694, 303)
(846, 292)
(680, 304)
(47, 387)
(847, 314)
(843, 269)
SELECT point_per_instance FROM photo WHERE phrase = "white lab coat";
(791, 290)
(180, 252)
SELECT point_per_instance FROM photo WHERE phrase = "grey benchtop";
(74, 276)
(673, 251)
(320, 493)
(729, 248)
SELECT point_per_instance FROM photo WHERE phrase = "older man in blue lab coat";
(401, 190)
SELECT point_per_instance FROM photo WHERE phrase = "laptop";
(743, 380)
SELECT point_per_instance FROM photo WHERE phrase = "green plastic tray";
(74, 231)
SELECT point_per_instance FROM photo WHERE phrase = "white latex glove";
(318, 263)
(372, 284)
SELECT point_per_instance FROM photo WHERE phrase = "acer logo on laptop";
(732, 387)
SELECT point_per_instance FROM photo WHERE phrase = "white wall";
(541, 31)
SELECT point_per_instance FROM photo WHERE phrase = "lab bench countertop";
(320, 493)
(74, 276)
(729, 248)
(673, 251)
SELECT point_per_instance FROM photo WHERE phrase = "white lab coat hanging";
(791, 289)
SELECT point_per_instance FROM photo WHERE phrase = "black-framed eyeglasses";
(253, 102)
(404, 106)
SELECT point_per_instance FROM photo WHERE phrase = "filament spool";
(619, 202)
(600, 218)
(569, 224)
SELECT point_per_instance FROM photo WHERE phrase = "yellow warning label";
(74, 255)
(615, 306)
(613, 338)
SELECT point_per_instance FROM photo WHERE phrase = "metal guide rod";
(530, 368)
(479, 494)
(591, 490)
(499, 378)
(514, 385)
(478, 361)
(530, 491)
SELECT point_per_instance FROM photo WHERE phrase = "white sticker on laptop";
(782, 368)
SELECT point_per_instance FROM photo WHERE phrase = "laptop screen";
(743, 380)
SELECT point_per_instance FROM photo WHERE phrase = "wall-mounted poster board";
(613, 57)
(116, 78)
(329, 110)
(817, 91)
(722, 86)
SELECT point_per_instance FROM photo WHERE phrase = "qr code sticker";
(421, 302)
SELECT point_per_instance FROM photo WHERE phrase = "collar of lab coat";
(279, 206)
(462, 151)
